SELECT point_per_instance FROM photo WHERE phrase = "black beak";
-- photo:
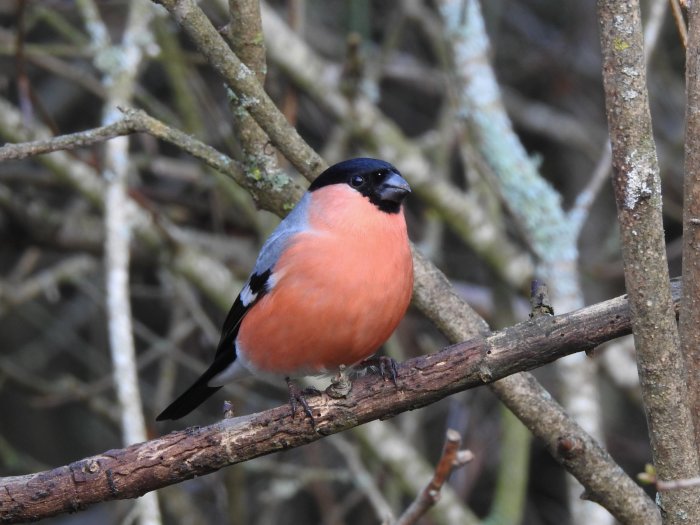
(393, 188)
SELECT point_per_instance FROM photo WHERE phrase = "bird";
(328, 288)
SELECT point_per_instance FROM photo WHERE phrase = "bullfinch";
(329, 286)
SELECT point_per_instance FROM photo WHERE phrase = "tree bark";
(638, 196)
(689, 323)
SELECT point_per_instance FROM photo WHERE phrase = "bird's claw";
(228, 409)
(297, 395)
(340, 384)
(387, 366)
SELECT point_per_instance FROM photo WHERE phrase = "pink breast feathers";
(339, 290)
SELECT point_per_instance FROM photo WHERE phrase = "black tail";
(200, 391)
(189, 400)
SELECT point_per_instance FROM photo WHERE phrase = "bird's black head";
(378, 180)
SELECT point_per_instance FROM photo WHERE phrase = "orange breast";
(339, 292)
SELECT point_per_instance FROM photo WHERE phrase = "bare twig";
(272, 193)
(649, 477)
(578, 214)
(452, 457)
(411, 470)
(70, 141)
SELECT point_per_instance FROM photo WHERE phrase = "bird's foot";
(387, 366)
(340, 384)
(228, 409)
(297, 395)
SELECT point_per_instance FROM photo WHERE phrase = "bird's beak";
(393, 188)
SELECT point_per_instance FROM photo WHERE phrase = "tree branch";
(271, 193)
(245, 34)
(409, 469)
(140, 468)
(24, 150)
(450, 459)
(463, 212)
(243, 81)
(689, 322)
(637, 186)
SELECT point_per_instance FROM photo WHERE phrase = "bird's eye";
(357, 180)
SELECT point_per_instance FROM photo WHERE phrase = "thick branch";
(131, 472)
(637, 187)
(689, 323)
(243, 81)
(245, 35)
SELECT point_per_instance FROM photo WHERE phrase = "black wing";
(257, 285)
(225, 355)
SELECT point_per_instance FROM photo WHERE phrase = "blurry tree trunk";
(119, 78)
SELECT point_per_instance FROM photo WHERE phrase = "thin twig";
(272, 194)
(452, 457)
(579, 212)
(680, 21)
(70, 141)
